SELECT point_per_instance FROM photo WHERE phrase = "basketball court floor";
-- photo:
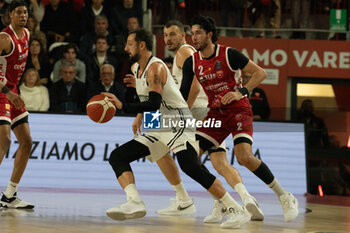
(84, 211)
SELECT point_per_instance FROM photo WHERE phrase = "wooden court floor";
(85, 212)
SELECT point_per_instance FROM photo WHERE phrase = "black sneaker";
(14, 202)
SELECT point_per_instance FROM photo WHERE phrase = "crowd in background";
(72, 39)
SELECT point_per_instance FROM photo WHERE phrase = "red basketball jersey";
(217, 78)
(12, 65)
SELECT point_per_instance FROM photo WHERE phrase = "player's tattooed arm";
(156, 77)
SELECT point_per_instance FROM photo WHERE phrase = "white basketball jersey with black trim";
(173, 109)
(202, 99)
(171, 97)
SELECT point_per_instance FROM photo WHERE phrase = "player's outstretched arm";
(111, 97)
(156, 78)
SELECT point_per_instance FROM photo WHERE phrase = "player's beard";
(135, 58)
(202, 46)
(175, 47)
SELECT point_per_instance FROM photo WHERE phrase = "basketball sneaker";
(128, 210)
(179, 207)
(237, 218)
(218, 212)
(252, 206)
(14, 202)
(289, 206)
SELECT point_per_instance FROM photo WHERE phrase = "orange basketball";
(100, 109)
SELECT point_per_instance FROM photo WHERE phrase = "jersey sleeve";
(187, 77)
(236, 59)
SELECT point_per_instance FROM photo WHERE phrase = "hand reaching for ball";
(117, 103)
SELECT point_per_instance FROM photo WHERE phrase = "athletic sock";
(132, 193)
(228, 202)
(11, 189)
(181, 193)
(276, 187)
(241, 190)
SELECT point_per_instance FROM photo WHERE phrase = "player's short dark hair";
(174, 22)
(207, 24)
(16, 3)
(144, 35)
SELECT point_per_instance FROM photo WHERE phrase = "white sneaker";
(128, 210)
(237, 218)
(218, 212)
(290, 206)
(253, 208)
(14, 202)
(178, 207)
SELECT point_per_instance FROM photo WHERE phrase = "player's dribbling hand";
(15, 99)
(117, 103)
(231, 96)
(130, 80)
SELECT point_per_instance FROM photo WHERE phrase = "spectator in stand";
(89, 12)
(37, 9)
(37, 59)
(5, 19)
(122, 12)
(34, 31)
(68, 94)
(300, 11)
(266, 13)
(120, 39)
(4, 14)
(316, 131)
(59, 22)
(87, 43)
(233, 8)
(34, 95)
(123, 62)
(106, 83)
(258, 101)
(98, 59)
(70, 52)
(3, 7)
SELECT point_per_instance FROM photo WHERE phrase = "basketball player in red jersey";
(13, 115)
(218, 69)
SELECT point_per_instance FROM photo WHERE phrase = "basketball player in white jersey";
(174, 38)
(13, 115)
(158, 93)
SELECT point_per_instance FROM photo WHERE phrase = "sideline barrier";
(71, 151)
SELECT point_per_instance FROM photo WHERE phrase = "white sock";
(241, 190)
(132, 193)
(276, 187)
(181, 193)
(11, 189)
(228, 202)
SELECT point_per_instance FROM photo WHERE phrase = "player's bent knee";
(188, 163)
(245, 159)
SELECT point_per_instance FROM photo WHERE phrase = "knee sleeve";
(188, 163)
(122, 156)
